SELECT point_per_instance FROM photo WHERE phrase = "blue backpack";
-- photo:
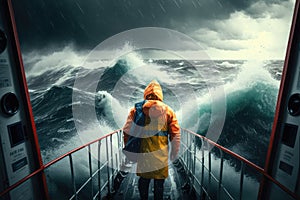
(133, 144)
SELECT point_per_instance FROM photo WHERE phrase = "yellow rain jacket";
(161, 126)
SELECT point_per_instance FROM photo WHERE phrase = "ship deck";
(176, 186)
(198, 174)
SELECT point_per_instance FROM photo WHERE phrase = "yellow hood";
(154, 88)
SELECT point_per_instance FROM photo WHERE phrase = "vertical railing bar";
(72, 176)
(111, 155)
(209, 170)
(242, 179)
(187, 150)
(119, 150)
(189, 155)
(107, 166)
(194, 161)
(221, 174)
(91, 170)
(202, 171)
(120, 146)
(117, 164)
(184, 147)
(99, 170)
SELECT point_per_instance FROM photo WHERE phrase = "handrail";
(10, 188)
(234, 155)
(45, 166)
(189, 157)
(79, 148)
(227, 151)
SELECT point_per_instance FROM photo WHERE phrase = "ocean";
(234, 100)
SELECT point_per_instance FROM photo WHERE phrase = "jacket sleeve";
(127, 126)
(174, 134)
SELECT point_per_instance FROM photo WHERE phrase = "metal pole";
(91, 170)
(107, 167)
(99, 171)
(209, 171)
(221, 174)
(202, 174)
(72, 176)
(194, 162)
(242, 179)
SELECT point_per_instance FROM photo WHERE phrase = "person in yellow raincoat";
(161, 128)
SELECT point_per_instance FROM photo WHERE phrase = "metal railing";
(87, 172)
(65, 178)
(106, 162)
(103, 164)
(204, 161)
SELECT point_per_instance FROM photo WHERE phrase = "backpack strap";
(139, 117)
(134, 141)
(138, 120)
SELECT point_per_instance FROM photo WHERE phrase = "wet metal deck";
(174, 187)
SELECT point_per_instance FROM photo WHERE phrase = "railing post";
(72, 176)
(118, 159)
(111, 156)
(242, 179)
(202, 171)
(209, 170)
(91, 170)
(184, 154)
(189, 153)
(221, 174)
(194, 161)
(107, 167)
(99, 171)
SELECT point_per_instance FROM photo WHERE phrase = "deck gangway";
(201, 172)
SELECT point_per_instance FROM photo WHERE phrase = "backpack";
(133, 144)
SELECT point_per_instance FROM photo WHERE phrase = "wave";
(250, 96)
(250, 108)
(37, 64)
(250, 89)
(249, 120)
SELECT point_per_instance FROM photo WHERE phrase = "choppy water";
(248, 97)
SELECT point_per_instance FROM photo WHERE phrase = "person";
(161, 126)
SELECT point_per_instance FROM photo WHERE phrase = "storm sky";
(227, 29)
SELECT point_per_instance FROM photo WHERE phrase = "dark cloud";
(86, 23)
(262, 9)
